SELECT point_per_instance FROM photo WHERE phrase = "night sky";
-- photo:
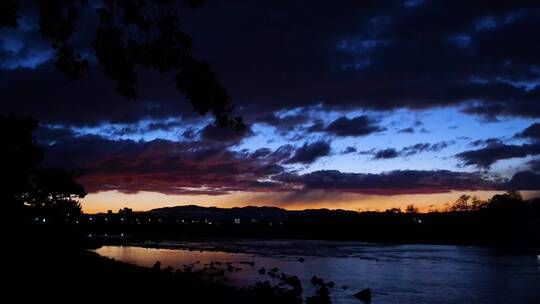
(348, 104)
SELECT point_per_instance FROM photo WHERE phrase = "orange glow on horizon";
(142, 201)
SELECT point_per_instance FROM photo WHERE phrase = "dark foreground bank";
(60, 270)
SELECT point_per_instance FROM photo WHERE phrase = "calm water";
(395, 273)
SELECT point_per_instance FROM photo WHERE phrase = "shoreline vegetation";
(504, 221)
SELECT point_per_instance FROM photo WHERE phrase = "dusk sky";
(359, 105)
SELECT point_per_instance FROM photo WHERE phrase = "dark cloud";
(281, 154)
(164, 125)
(201, 167)
(284, 122)
(224, 135)
(496, 150)
(261, 152)
(483, 142)
(310, 152)
(534, 165)
(46, 135)
(407, 151)
(272, 56)
(162, 166)
(390, 183)
(349, 150)
(532, 132)
(425, 147)
(386, 154)
(357, 126)
(415, 149)
(524, 180)
(487, 156)
(89, 101)
(317, 126)
(377, 54)
(407, 130)
(189, 133)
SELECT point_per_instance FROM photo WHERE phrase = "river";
(394, 273)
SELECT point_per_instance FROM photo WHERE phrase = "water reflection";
(396, 274)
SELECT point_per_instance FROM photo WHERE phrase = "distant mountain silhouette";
(243, 213)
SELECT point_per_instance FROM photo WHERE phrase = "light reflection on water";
(396, 274)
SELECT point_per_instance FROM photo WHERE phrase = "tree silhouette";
(411, 209)
(54, 194)
(508, 204)
(24, 182)
(468, 203)
(461, 204)
(477, 203)
(131, 34)
(20, 158)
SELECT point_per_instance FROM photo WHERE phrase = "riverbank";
(52, 272)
